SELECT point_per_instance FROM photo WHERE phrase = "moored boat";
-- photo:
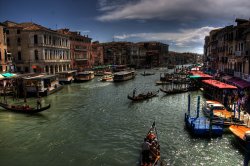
(150, 154)
(108, 76)
(84, 76)
(44, 85)
(66, 77)
(143, 96)
(124, 76)
(23, 109)
(242, 134)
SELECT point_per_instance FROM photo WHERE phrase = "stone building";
(227, 50)
(96, 54)
(5, 56)
(37, 49)
(80, 49)
(142, 54)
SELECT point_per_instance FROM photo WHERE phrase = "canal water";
(94, 124)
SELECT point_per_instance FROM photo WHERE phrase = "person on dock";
(145, 151)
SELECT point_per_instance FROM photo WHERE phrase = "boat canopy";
(218, 84)
(7, 75)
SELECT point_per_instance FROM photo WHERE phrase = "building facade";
(80, 49)
(37, 49)
(5, 56)
(228, 50)
(96, 54)
(142, 54)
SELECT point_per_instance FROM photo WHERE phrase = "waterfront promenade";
(94, 123)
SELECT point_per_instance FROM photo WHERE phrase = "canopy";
(239, 82)
(219, 84)
(199, 74)
(8, 75)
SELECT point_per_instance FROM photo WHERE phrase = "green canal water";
(94, 124)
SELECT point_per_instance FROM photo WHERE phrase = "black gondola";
(153, 157)
(23, 109)
(174, 91)
(143, 96)
(147, 74)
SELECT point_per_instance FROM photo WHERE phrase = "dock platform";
(200, 126)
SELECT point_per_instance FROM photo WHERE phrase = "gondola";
(23, 109)
(153, 157)
(147, 74)
(143, 96)
(174, 91)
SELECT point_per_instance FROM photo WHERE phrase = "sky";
(183, 24)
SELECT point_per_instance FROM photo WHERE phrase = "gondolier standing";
(38, 103)
(145, 151)
(134, 91)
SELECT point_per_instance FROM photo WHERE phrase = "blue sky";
(182, 24)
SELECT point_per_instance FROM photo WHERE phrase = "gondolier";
(145, 151)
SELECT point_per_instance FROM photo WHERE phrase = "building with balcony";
(228, 50)
(37, 49)
(5, 56)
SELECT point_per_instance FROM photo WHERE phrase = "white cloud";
(183, 38)
(173, 9)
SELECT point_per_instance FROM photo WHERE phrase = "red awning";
(219, 84)
(239, 83)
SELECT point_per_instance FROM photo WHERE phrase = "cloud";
(184, 38)
(182, 10)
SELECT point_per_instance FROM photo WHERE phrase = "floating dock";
(202, 126)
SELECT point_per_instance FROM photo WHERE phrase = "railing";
(47, 45)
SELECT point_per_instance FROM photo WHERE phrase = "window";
(7, 31)
(19, 55)
(35, 39)
(36, 54)
(0, 55)
(18, 31)
(8, 42)
(44, 38)
(18, 41)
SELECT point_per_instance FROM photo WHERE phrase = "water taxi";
(124, 76)
(42, 85)
(108, 76)
(84, 76)
(66, 77)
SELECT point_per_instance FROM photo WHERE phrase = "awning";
(226, 77)
(239, 83)
(219, 84)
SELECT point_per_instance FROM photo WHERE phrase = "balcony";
(238, 53)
